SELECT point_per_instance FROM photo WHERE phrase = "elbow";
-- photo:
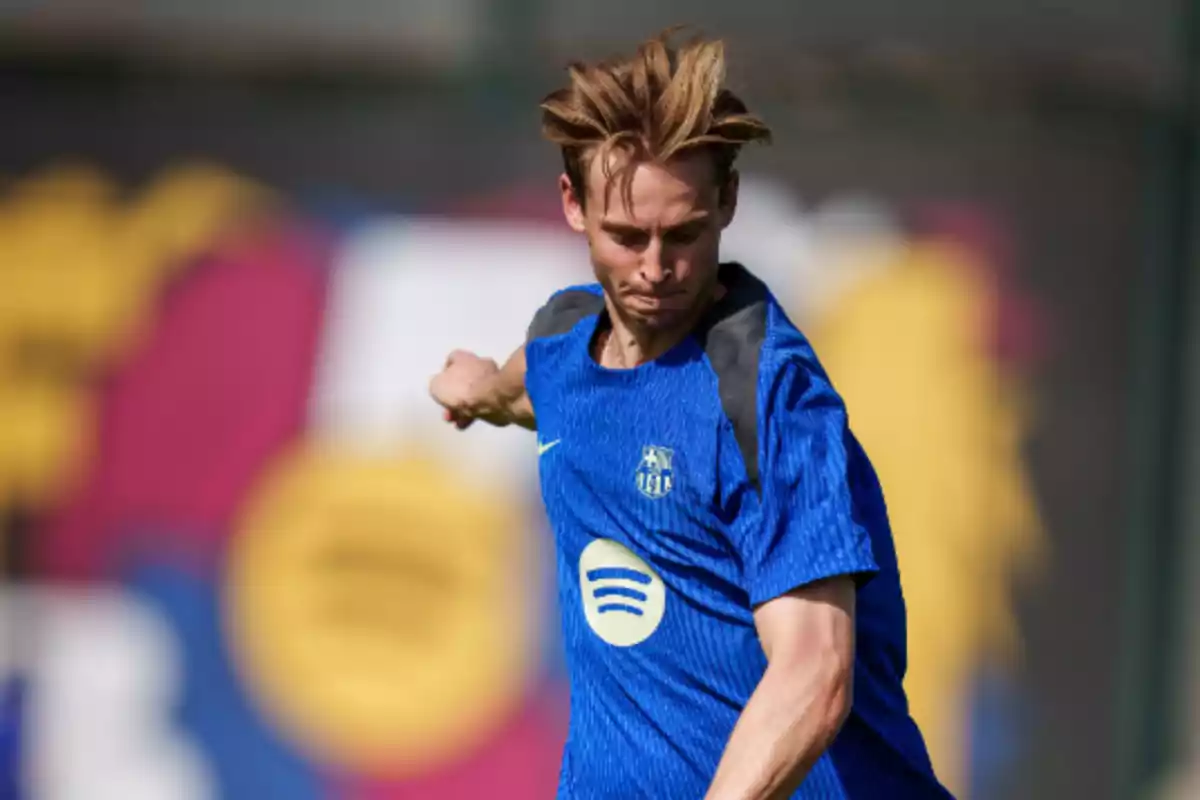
(836, 693)
(821, 688)
(833, 692)
(841, 700)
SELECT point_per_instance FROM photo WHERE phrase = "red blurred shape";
(520, 763)
(521, 203)
(1017, 328)
(187, 423)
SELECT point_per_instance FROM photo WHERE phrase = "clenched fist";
(463, 386)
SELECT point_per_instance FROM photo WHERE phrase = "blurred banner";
(252, 561)
(244, 557)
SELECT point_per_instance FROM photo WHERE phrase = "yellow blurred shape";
(65, 283)
(906, 350)
(43, 434)
(380, 611)
(79, 271)
(187, 207)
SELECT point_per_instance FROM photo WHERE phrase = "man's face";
(657, 255)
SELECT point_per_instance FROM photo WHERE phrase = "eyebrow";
(613, 226)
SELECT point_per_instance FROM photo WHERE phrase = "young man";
(731, 603)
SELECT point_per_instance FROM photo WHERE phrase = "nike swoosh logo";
(544, 448)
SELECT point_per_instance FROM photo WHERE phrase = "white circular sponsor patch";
(623, 599)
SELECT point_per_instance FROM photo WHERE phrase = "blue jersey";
(682, 493)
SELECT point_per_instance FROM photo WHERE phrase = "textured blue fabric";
(645, 461)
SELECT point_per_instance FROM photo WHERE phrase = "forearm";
(791, 719)
(501, 399)
(499, 403)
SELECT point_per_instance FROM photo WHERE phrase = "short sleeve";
(541, 322)
(811, 527)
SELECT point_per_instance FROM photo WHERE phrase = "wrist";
(487, 399)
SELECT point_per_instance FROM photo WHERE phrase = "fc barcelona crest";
(655, 477)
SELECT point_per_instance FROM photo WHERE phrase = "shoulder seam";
(732, 337)
(563, 311)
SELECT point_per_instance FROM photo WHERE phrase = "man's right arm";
(472, 388)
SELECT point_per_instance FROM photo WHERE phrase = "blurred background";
(242, 557)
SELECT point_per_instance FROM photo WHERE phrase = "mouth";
(664, 301)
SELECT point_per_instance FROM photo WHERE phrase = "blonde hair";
(663, 101)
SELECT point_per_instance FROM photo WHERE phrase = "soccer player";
(732, 613)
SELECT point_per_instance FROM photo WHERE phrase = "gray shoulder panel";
(732, 334)
(562, 312)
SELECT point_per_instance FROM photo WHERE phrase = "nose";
(654, 270)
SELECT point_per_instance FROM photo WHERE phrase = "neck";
(628, 343)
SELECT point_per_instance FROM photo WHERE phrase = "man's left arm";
(803, 697)
(802, 561)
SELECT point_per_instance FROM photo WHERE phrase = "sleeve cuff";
(771, 583)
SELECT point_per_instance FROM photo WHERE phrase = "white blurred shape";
(809, 258)
(104, 676)
(404, 294)
(769, 235)
(854, 237)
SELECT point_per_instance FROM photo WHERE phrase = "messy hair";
(663, 101)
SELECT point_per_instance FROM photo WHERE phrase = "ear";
(728, 199)
(572, 207)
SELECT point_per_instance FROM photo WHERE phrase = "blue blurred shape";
(248, 760)
(997, 723)
(12, 701)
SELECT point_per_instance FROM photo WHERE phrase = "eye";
(685, 235)
(631, 240)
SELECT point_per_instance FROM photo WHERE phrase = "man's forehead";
(655, 193)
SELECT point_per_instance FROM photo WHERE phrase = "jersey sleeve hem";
(787, 575)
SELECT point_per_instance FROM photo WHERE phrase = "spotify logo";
(623, 599)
